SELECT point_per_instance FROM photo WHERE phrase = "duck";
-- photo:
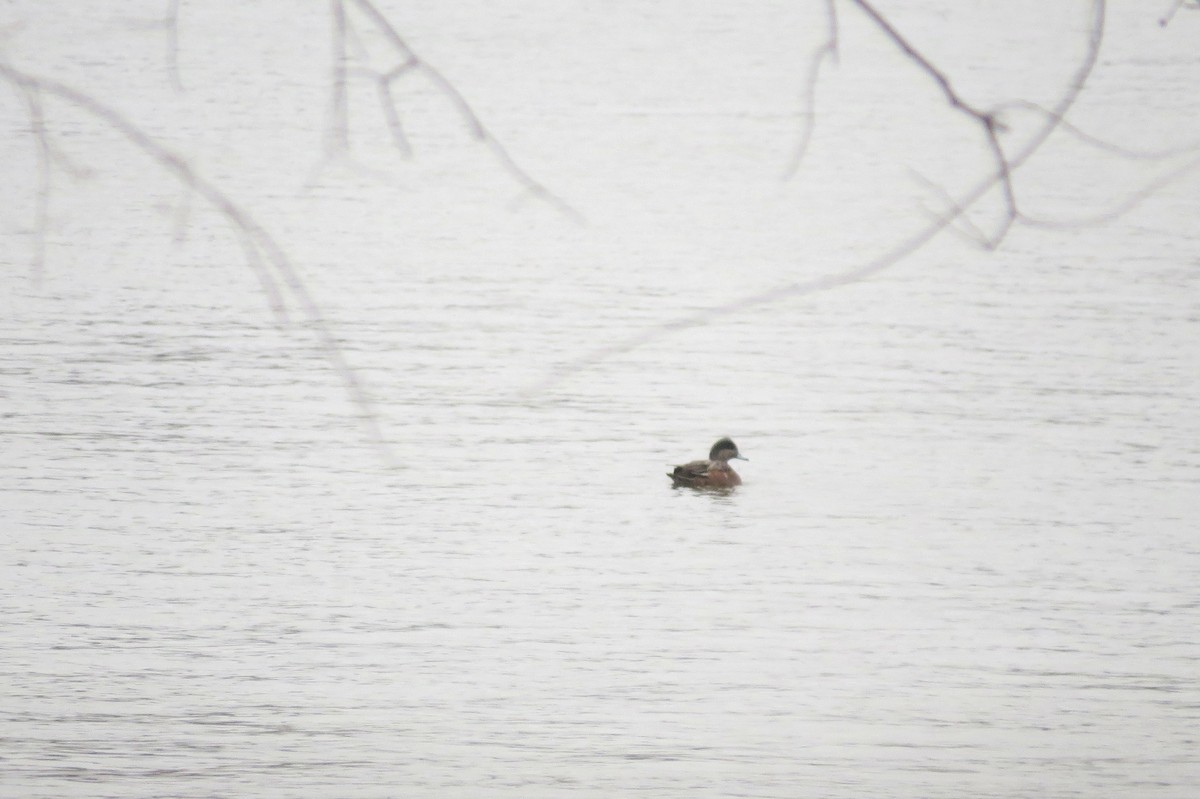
(712, 473)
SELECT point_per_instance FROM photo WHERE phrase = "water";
(963, 561)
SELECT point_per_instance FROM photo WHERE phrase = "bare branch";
(889, 259)
(408, 60)
(986, 120)
(808, 114)
(264, 255)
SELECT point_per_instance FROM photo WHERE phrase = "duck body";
(714, 472)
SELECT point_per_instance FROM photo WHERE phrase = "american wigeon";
(712, 473)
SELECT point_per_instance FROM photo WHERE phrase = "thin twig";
(41, 212)
(808, 113)
(1178, 4)
(390, 112)
(1128, 204)
(1170, 15)
(337, 133)
(964, 225)
(171, 23)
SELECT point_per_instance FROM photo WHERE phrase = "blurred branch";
(964, 226)
(1127, 204)
(41, 212)
(407, 61)
(1131, 153)
(171, 23)
(828, 51)
(337, 134)
(264, 255)
(1178, 4)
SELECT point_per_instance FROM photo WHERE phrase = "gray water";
(964, 561)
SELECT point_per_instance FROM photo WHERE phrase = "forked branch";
(406, 61)
(986, 120)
